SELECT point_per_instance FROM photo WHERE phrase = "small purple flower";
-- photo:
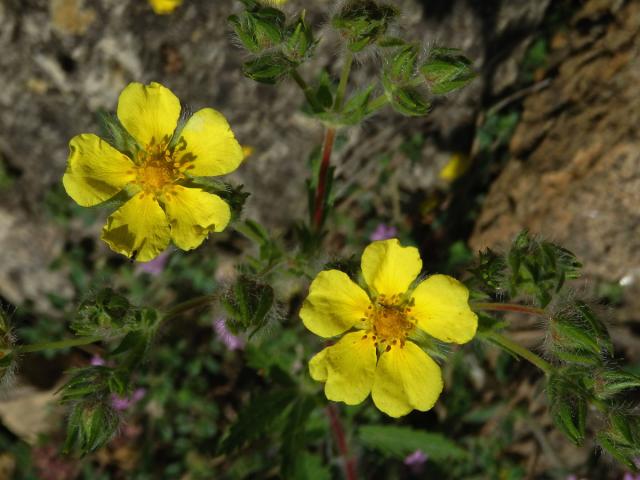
(630, 476)
(383, 232)
(571, 477)
(97, 361)
(125, 403)
(156, 266)
(231, 341)
(415, 461)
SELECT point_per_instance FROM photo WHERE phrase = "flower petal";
(406, 379)
(193, 213)
(95, 170)
(442, 309)
(348, 368)
(139, 227)
(150, 113)
(209, 143)
(389, 268)
(334, 304)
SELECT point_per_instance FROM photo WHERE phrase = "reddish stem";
(318, 209)
(509, 307)
(341, 440)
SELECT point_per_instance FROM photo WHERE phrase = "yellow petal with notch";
(334, 304)
(150, 113)
(389, 268)
(193, 213)
(348, 368)
(95, 170)
(406, 379)
(208, 143)
(442, 309)
(139, 229)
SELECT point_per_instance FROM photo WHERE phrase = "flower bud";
(91, 425)
(249, 304)
(447, 70)
(363, 22)
(568, 402)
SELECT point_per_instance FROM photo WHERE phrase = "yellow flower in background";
(163, 206)
(457, 166)
(164, 7)
(377, 355)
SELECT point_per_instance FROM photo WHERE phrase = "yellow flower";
(457, 166)
(163, 206)
(377, 356)
(164, 7)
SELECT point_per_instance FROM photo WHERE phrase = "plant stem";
(307, 90)
(196, 302)
(509, 307)
(57, 345)
(344, 80)
(341, 441)
(318, 208)
(511, 346)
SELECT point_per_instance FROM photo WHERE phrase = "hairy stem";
(318, 208)
(306, 89)
(344, 80)
(197, 302)
(58, 344)
(519, 350)
(509, 307)
(341, 441)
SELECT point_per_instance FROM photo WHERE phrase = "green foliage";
(6, 347)
(110, 314)
(534, 268)
(401, 441)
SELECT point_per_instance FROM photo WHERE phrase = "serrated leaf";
(401, 441)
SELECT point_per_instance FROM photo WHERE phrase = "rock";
(575, 173)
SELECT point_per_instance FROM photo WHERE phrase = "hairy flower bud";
(363, 22)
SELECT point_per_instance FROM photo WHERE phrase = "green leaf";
(258, 418)
(310, 467)
(401, 441)
(363, 22)
(293, 436)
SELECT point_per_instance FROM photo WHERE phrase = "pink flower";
(416, 461)
(125, 403)
(156, 266)
(231, 341)
(383, 232)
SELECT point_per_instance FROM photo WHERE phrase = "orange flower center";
(390, 321)
(157, 170)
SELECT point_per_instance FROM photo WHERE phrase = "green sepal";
(447, 70)
(402, 64)
(409, 101)
(268, 68)
(259, 27)
(612, 382)
(91, 425)
(353, 111)
(621, 453)
(568, 402)
(299, 40)
(118, 136)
